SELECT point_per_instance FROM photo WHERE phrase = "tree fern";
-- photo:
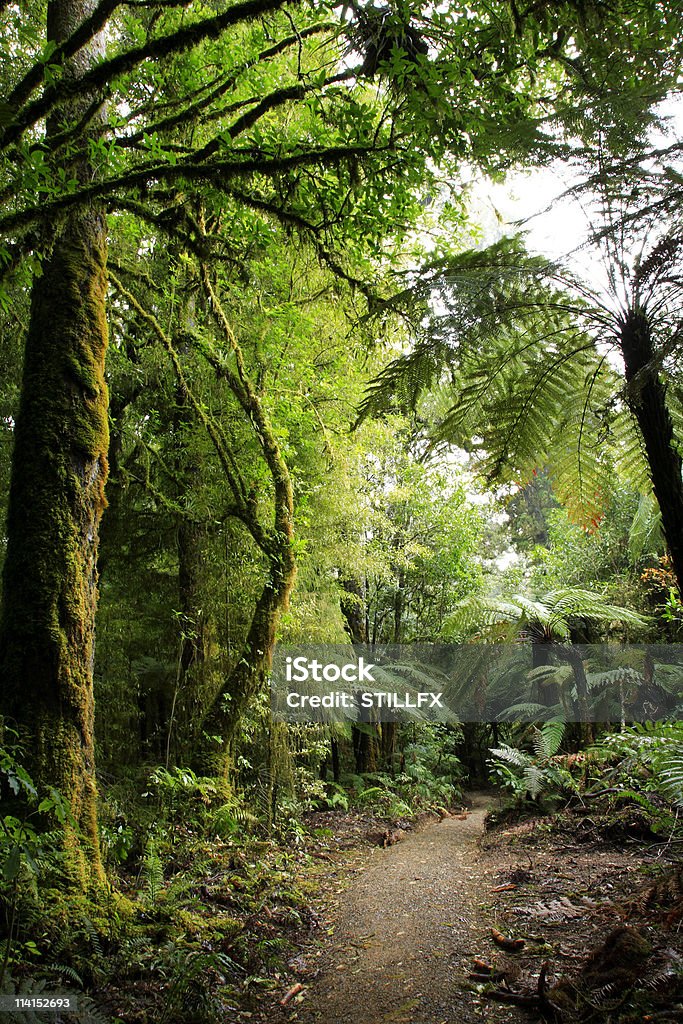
(514, 356)
(506, 618)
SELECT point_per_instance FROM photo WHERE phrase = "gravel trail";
(405, 933)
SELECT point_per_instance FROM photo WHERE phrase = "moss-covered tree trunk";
(59, 469)
(249, 674)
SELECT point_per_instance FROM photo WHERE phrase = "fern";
(535, 780)
(670, 769)
(548, 738)
(511, 755)
(152, 872)
(514, 363)
(645, 532)
(231, 818)
(64, 971)
(506, 618)
(527, 711)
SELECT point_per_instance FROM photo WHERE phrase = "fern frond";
(547, 739)
(628, 449)
(511, 755)
(534, 779)
(645, 532)
(517, 378)
(670, 769)
(152, 872)
(527, 712)
(573, 601)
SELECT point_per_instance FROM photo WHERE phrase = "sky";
(556, 225)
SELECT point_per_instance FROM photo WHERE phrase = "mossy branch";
(251, 403)
(86, 31)
(180, 41)
(278, 98)
(216, 172)
(242, 508)
(189, 112)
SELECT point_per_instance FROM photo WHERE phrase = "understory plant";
(642, 764)
(536, 772)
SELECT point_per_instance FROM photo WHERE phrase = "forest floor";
(399, 928)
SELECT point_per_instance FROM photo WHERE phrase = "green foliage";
(534, 773)
(152, 872)
(174, 786)
(425, 773)
(609, 558)
(232, 819)
(644, 764)
(336, 797)
(265, 181)
(384, 803)
(547, 618)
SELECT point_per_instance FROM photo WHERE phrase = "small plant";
(525, 774)
(152, 872)
(336, 797)
(232, 819)
(643, 764)
(385, 803)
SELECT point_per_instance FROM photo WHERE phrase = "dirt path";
(405, 933)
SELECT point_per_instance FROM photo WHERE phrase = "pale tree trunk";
(59, 469)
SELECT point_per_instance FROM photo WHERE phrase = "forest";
(355, 329)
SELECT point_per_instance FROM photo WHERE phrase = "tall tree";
(59, 470)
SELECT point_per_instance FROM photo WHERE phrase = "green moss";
(57, 497)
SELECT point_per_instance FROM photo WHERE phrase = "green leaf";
(10, 868)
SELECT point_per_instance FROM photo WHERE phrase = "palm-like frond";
(585, 604)
(516, 377)
(645, 532)
(507, 618)
(528, 711)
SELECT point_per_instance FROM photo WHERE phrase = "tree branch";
(216, 172)
(278, 98)
(251, 403)
(188, 113)
(235, 482)
(183, 39)
(83, 34)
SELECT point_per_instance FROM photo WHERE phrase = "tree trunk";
(250, 672)
(389, 736)
(59, 469)
(364, 750)
(399, 605)
(646, 397)
(188, 697)
(353, 607)
(334, 752)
